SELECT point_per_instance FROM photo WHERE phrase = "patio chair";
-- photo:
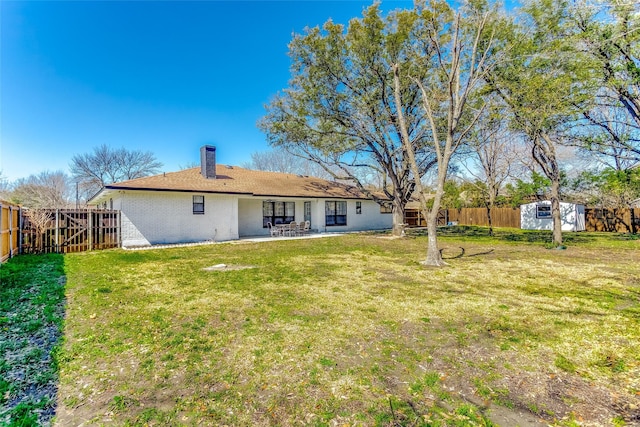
(293, 229)
(273, 231)
(305, 228)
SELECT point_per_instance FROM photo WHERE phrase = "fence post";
(20, 230)
(1, 239)
(10, 231)
(90, 229)
(57, 234)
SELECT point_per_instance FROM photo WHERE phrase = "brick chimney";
(208, 161)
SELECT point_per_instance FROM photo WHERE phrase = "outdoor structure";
(537, 216)
(10, 215)
(69, 230)
(218, 203)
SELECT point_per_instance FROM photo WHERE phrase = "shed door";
(581, 224)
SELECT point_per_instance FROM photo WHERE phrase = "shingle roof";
(237, 180)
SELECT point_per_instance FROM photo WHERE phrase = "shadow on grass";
(528, 236)
(32, 305)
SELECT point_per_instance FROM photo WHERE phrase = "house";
(219, 203)
(537, 216)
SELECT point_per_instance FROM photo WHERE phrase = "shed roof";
(237, 180)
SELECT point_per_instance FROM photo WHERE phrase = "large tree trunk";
(434, 256)
(398, 218)
(544, 153)
(489, 220)
(555, 212)
(490, 204)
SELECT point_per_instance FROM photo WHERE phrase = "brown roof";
(237, 180)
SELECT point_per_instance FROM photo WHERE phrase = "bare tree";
(458, 48)
(47, 190)
(492, 156)
(189, 165)
(106, 165)
(4, 187)
(282, 160)
(38, 220)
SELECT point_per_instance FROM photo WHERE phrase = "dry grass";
(353, 331)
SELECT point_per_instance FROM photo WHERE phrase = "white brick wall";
(150, 217)
(250, 218)
(158, 217)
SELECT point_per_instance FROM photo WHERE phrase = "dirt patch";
(228, 267)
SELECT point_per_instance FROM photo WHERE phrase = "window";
(543, 211)
(278, 213)
(335, 213)
(198, 205)
(358, 208)
(386, 208)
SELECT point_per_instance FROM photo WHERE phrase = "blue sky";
(166, 77)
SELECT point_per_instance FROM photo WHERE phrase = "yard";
(352, 330)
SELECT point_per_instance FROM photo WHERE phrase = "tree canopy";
(106, 165)
(340, 111)
(46, 190)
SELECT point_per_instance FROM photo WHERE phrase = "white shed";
(537, 216)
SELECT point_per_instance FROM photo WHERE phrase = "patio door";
(307, 211)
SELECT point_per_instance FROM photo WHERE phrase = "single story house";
(537, 216)
(219, 203)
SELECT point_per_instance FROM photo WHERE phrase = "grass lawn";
(352, 330)
(31, 314)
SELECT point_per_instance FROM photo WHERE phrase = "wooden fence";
(501, 217)
(622, 220)
(69, 230)
(9, 230)
(615, 220)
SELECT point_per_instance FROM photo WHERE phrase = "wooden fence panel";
(70, 230)
(414, 218)
(500, 217)
(621, 220)
(9, 230)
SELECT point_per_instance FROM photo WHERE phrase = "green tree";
(609, 34)
(339, 110)
(622, 185)
(611, 187)
(535, 189)
(545, 84)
